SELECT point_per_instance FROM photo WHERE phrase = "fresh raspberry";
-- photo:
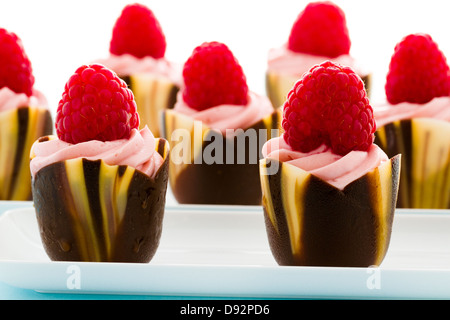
(320, 29)
(15, 70)
(329, 105)
(418, 71)
(138, 32)
(96, 105)
(213, 76)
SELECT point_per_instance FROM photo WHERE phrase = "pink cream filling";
(438, 108)
(127, 64)
(337, 170)
(10, 100)
(284, 61)
(138, 152)
(227, 116)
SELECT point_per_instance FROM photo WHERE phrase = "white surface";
(223, 251)
(59, 36)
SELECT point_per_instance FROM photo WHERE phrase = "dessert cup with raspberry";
(137, 55)
(216, 130)
(329, 193)
(99, 185)
(24, 117)
(319, 33)
(415, 121)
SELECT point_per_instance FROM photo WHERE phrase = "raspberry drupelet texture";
(418, 71)
(138, 32)
(213, 76)
(320, 29)
(15, 72)
(96, 105)
(329, 105)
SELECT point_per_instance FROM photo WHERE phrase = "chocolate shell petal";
(312, 223)
(207, 167)
(19, 129)
(425, 148)
(152, 95)
(88, 210)
(278, 86)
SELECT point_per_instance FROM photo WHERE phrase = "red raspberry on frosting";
(329, 105)
(96, 105)
(15, 67)
(213, 76)
(418, 71)
(138, 32)
(320, 29)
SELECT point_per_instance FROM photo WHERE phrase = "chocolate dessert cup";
(216, 168)
(312, 223)
(90, 211)
(152, 94)
(425, 147)
(19, 129)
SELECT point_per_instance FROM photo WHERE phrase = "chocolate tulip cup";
(216, 168)
(88, 210)
(19, 129)
(425, 147)
(152, 95)
(312, 223)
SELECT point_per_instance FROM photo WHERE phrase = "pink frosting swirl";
(284, 61)
(127, 64)
(229, 116)
(337, 170)
(138, 152)
(10, 100)
(438, 108)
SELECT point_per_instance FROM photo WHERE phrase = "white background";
(60, 35)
